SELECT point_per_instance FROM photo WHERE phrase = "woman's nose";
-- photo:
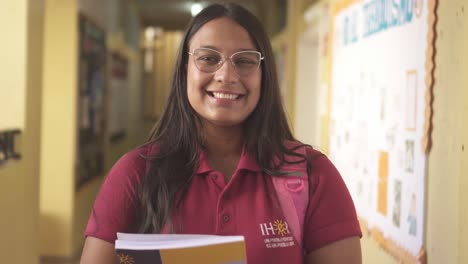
(227, 72)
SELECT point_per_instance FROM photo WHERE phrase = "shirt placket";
(225, 214)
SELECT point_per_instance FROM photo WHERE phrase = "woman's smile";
(222, 95)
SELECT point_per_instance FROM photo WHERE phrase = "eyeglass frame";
(224, 59)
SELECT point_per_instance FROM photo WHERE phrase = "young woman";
(209, 163)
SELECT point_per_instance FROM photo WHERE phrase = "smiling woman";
(210, 164)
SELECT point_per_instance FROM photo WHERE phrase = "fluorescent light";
(150, 33)
(153, 32)
(196, 8)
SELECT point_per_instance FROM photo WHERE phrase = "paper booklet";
(179, 249)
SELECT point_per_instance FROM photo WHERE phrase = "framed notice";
(118, 97)
(380, 115)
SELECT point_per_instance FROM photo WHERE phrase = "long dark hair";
(178, 140)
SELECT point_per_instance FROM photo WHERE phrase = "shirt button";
(226, 218)
(214, 176)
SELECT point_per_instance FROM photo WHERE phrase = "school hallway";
(379, 86)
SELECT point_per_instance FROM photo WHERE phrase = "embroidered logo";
(281, 227)
(125, 259)
(276, 234)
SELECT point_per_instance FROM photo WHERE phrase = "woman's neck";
(223, 141)
(223, 146)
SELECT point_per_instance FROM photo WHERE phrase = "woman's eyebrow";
(217, 49)
(209, 47)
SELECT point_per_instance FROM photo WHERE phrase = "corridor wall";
(21, 67)
(64, 208)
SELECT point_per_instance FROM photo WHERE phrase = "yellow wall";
(284, 43)
(58, 131)
(446, 211)
(21, 27)
(307, 101)
(166, 48)
(447, 199)
(83, 202)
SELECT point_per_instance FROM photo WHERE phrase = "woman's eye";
(209, 59)
(245, 62)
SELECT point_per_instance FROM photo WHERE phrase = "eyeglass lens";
(245, 62)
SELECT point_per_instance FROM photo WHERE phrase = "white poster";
(378, 113)
(13, 27)
(12, 102)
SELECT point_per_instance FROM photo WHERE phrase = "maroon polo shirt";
(246, 205)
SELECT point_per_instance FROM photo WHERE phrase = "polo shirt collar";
(203, 165)
(246, 162)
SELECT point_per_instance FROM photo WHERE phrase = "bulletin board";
(380, 115)
(92, 98)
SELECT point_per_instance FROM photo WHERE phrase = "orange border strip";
(390, 246)
(396, 251)
(338, 7)
(429, 80)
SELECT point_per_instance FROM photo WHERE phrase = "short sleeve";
(331, 215)
(114, 209)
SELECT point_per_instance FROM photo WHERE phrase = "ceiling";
(175, 14)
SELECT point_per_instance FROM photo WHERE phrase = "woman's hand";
(343, 251)
(96, 250)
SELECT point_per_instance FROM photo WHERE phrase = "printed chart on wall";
(380, 116)
(13, 80)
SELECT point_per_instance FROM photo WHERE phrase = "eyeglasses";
(209, 60)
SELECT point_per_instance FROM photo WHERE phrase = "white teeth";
(225, 96)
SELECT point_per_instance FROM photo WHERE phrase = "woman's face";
(222, 97)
